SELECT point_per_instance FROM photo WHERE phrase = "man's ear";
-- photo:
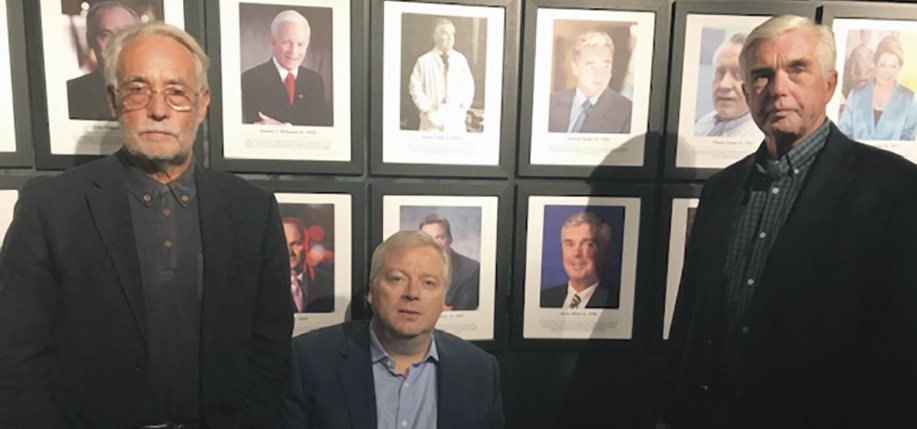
(112, 99)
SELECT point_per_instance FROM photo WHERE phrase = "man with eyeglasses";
(142, 290)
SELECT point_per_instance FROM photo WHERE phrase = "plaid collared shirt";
(771, 191)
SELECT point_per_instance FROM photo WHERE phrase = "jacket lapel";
(447, 397)
(216, 244)
(109, 206)
(356, 375)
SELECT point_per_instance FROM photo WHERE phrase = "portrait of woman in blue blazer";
(882, 109)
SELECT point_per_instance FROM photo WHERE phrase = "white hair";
(117, 43)
(291, 16)
(401, 241)
(825, 49)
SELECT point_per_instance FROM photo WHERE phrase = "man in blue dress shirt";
(396, 370)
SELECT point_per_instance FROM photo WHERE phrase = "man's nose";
(158, 108)
(781, 83)
(412, 290)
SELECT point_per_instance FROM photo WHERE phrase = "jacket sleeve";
(28, 303)
(497, 420)
(417, 89)
(272, 327)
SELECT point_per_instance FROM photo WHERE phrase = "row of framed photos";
(564, 234)
(372, 71)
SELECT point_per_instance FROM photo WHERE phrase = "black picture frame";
(359, 29)
(44, 159)
(682, 10)
(506, 165)
(831, 10)
(669, 193)
(357, 190)
(504, 194)
(19, 76)
(644, 274)
(657, 98)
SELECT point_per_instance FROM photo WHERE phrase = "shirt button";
(184, 198)
(751, 282)
(745, 329)
(775, 191)
(147, 197)
(762, 235)
(404, 423)
(795, 171)
(406, 384)
(168, 244)
(166, 212)
(704, 387)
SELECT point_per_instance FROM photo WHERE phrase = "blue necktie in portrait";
(585, 111)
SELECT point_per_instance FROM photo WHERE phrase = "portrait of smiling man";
(281, 91)
(585, 245)
(143, 290)
(730, 117)
(395, 370)
(795, 307)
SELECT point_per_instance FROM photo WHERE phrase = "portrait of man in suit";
(391, 371)
(730, 117)
(86, 94)
(466, 272)
(281, 91)
(585, 245)
(441, 84)
(591, 106)
(311, 285)
(144, 289)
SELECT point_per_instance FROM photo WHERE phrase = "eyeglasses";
(136, 96)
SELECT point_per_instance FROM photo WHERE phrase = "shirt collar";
(579, 98)
(283, 72)
(440, 53)
(378, 353)
(585, 294)
(143, 187)
(717, 119)
(798, 159)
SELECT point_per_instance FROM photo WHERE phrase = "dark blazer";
(320, 294)
(333, 385)
(607, 295)
(466, 281)
(611, 113)
(87, 97)
(832, 338)
(73, 326)
(263, 91)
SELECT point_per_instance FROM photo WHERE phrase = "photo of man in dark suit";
(281, 91)
(586, 244)
(143, 289)
(591, 106)
(86, 94)
(395, 370)
(466, 272)
(312, 287)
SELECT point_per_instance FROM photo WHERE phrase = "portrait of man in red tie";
(281, 91)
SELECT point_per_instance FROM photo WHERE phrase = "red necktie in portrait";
(291, 86)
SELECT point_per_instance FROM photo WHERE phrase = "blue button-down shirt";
(404, 402)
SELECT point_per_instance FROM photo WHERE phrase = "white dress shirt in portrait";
(442, 90)
(584, 296)
(577, 107)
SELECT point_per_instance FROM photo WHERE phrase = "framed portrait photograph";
(72, 95)
(587, 83)
(467, 220)
(579, 251)
(682, 200)
(708, 114)
(291, 85)
(874, 102)
(9, 193)
(443, 87)
(15, 115)
(323, 224)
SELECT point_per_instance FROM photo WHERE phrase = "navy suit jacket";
(263, 91)
(611, 113)
(606, 295)
(87, 97)
(466, 283)
(333, 385)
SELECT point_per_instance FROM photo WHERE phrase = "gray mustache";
(158, 130)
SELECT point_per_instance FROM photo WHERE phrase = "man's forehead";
(791, 46)
(578, 230)
(158, 56)
(728, 54)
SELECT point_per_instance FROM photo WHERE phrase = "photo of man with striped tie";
(591, 106)
(585, 245)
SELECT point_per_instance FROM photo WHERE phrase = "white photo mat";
(677, 234)
(8, 199)
(469, 325)
(7, 115)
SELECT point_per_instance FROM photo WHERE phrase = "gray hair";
(601, 232)
(592, 39)
(113, 50)
(735, 39)
(825, 50)
(290, 16)
(92, 18)
(402, 240)
(439, 22)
